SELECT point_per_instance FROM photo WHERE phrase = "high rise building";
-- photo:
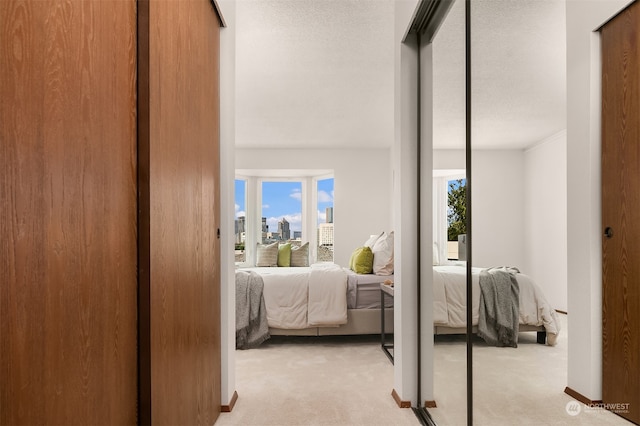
(265, 229)
(240, 225)
(240, 229)
(283, 229)
(329, 214)
(325, 234)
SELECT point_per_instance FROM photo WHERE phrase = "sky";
(284, 200)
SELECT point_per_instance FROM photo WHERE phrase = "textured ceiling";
(314, 73)
(319, 73)
(518, 74)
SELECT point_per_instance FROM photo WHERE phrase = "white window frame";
(441, 179)
(248, 223)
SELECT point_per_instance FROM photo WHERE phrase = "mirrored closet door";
(519, 192)
(449, 219)
(497, 118)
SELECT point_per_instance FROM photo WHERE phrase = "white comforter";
(449, 304)
(298, 298)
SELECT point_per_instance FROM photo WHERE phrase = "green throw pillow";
(353, 256)
(284, 255)
(362, 261)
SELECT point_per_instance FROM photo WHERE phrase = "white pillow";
(267, 254)
(383, 254)
(372, 240)
(300, 255)
(436, 255)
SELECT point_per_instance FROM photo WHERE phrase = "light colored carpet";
(348, 381)
(523, 385)
(315, 381)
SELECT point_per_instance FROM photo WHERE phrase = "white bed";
(310, 301)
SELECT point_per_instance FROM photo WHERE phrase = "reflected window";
(456, 219)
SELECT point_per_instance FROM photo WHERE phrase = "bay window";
(294, 206)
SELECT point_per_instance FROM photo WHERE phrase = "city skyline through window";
(325, 219)
(240, 191)
(281, 213)
(281, 210)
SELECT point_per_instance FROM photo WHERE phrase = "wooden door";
(180, 212)
(621, 212)
(68, 212)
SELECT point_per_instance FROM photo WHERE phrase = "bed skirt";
(359, 321)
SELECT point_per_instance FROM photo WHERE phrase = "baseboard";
(430, 404)
(401, 403)
(228, 408)
(578, 396)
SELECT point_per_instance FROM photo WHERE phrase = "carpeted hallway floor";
(348, 381)
(315, 381)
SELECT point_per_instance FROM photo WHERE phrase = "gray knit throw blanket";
(499, 309)
(251, 314)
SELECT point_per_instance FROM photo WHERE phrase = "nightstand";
(385, 291)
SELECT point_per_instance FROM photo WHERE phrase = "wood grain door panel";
(67, 212)
(180, 212)
(73, 186)
(621, 211)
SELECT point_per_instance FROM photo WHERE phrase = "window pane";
(240, 228)
(456, 219)
(281, 211)
(325, 220)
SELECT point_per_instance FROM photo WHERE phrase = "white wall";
(362, 185)
(449, 159)
(227, 211)
(404, 205)
(497, 203)
(426, 221)
(545, 217)
(584, 261)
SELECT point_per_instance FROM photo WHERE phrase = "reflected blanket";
(499, 307)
